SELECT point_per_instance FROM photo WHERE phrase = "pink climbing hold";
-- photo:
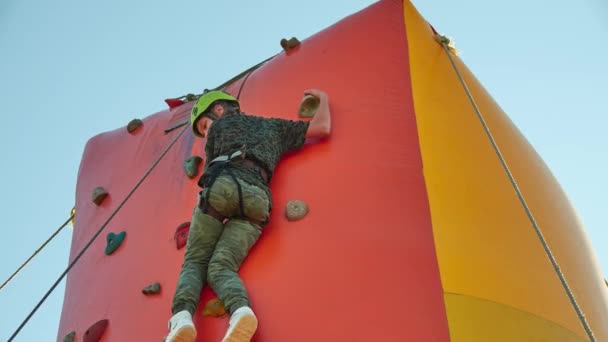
(95, 332)
(181, 235)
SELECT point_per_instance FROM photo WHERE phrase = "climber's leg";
(205, 230)
(232, 248)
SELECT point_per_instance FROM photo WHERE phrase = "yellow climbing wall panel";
(486, 245)
(473, 319)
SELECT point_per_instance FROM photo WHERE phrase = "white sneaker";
(243, 325)
(181, 328)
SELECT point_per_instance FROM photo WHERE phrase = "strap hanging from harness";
(215, 168)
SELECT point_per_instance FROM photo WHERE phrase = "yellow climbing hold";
(214, 308)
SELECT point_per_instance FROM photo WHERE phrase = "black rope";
(238, 96)
(192, 97)
(36, 252)
(248, 71)
(96, 235)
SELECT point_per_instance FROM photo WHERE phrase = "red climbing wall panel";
(361, 266)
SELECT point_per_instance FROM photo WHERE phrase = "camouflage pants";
(215, 251)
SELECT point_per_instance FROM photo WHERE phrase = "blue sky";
(72, 69)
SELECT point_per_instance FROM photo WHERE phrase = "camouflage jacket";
(264, 140)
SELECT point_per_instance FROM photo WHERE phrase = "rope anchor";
(447, 42)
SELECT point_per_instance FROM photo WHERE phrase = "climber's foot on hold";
(181, 328)
(243, 325)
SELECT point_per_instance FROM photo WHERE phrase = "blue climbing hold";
(114, 241)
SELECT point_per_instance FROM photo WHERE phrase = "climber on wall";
(242, 152)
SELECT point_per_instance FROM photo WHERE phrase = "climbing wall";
(389, 250)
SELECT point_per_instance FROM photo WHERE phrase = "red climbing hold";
(172, 103)
(181, 235)
(95, 332)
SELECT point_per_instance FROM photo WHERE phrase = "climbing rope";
(188, 97)
(248, 72)
(445, 42)
(36, 252)
(97, 233)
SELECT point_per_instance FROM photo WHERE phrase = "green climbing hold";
(69, 337)
(133, 125)
(114, 241)
(99, 195)
(151, 289)
(191, 166)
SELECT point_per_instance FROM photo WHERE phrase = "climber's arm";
(320, 125)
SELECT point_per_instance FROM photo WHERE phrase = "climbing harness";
(215, 168)
(225, 163)
(449, 49)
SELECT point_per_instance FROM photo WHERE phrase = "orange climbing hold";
(214, 308)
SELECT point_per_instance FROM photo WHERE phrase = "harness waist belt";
(238, 157)
(253, 165)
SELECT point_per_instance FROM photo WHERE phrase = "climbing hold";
(191, 166)
(309, 106)
(114, 241)
(295, 210)
(134, 124)
(69, 337)
(214, 308)
(151, 289)
(99, 194)
(95, 332)
(290, 44)
(181, 235)
(172, 103)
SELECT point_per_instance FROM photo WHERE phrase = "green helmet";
(204, 102)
